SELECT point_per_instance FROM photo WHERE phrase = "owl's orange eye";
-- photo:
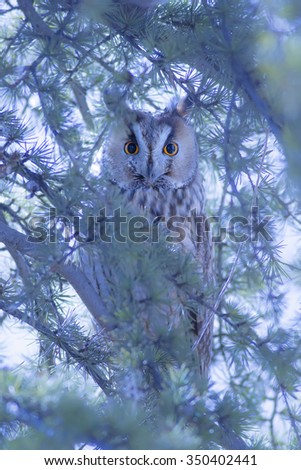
(171, 149)
(131, 148)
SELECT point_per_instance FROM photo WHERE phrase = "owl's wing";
(202, 316)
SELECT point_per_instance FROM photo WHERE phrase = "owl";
(152, 161)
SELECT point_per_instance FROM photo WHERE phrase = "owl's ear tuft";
(115, 100)
(113, 97)
(185, 105)
(181, 107)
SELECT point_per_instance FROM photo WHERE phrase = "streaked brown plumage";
(137, 159)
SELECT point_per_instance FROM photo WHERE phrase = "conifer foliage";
(98, 378)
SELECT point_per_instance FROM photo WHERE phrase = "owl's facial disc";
(152, 153)
(149, 157)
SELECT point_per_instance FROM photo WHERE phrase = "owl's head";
(152, 151)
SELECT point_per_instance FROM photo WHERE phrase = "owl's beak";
(149, 169)
(152, 174)
(149, 177)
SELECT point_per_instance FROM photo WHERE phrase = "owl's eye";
(171, 149)
(131, 148)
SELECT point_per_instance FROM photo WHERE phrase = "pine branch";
(244, 77)
(227, 140)
(207, 50)
(17, 241)
(229, 278)
(39, 26)
(79, 354)
(84, 289)
(291, 416)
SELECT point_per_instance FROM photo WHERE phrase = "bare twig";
(229, 278)
(214, 309)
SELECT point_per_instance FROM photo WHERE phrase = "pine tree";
(62, 65)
